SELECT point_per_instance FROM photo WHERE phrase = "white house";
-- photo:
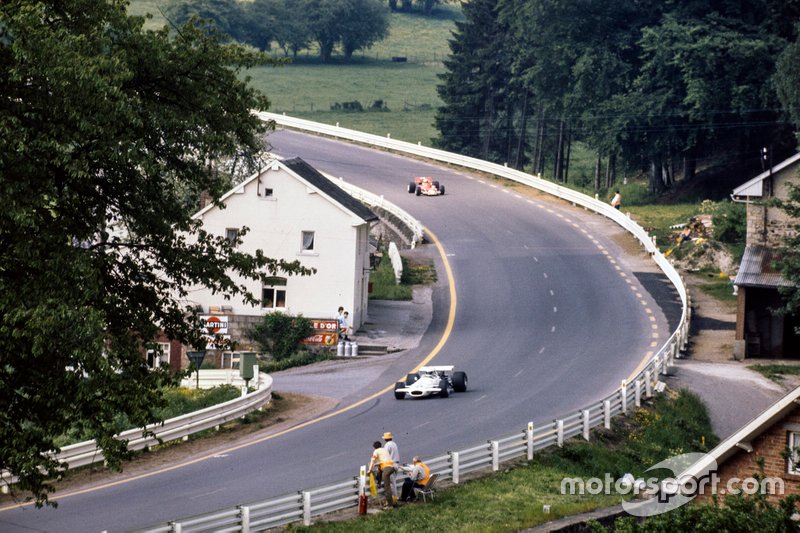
(293, 212)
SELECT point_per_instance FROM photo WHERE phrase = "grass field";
(307, 88)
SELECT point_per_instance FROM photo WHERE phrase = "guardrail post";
(623, 391)
(175, 527)
(362, 480)
(648, 385)
(495, 455)
(307, 507)
(638, 393)
(454, 463)
(607, 414)
(586, 424)
(529, 438)
(560, 433)
(244, 517)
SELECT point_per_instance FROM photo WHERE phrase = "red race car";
(425, 185)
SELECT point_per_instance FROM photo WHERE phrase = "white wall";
(276, 224)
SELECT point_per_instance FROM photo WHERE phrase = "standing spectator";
(382, 465)
(617, 200)
(391, 447)
(417, 477)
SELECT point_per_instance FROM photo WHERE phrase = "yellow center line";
(445, 335)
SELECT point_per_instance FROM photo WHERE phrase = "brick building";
(773, 437)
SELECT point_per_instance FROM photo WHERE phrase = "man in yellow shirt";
(382, 463)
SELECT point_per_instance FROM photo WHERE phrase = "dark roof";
(756, 268)
(315, 178)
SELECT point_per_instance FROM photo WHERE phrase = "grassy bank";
(515, 498)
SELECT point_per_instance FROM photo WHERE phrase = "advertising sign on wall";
(215, 329)
(326, 332)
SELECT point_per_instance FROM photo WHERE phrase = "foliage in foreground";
(177, 402)
(109, 134)
(512, 500)
(738, 514)
(280, 334)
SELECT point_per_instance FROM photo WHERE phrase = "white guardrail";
(87, 453)
(306, 504)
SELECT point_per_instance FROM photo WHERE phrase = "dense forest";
(663, 89)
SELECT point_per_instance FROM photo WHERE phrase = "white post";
(638, 393)
(176, 527)
(586, 424)
(307, 508)
(648, 385)
(560, 433)
(529, 437)
(362, 480)
(607, 414)
(495, 455)
(623, 391)
(245, 518)
(257, 377)
(454, 461)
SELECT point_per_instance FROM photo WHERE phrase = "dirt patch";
(284, 412)
(713, 324)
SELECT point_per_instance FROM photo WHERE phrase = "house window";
(231, 234)
(268, 192)
(308, 241)
(794, 453)
(158, 356)
(273, 293)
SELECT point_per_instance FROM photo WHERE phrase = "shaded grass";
(776, 372)
(513, 499)
(384, 284)
(297, 359)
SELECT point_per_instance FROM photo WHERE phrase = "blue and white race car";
(431, 381)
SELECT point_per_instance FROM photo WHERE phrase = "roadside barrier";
(304, 505)
(181, 427)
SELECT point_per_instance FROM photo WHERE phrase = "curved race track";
(550, 316)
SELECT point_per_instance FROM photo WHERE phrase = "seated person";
(418, 475)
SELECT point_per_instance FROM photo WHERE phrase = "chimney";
(205, 199)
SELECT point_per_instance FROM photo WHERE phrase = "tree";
(479, 94)
(365, 23)
(355, 24)
(109, 134)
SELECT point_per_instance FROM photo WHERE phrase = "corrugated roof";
(756, 269)
(315, 178)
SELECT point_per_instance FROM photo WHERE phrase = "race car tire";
(436, 184)
(411, 378)
(441, 189)
(418, 190)
(460, 381)
(399, 395)
(444, 393)
(412, 187)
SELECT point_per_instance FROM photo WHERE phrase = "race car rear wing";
(442, 368)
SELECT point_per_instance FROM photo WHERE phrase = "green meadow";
(307, 88)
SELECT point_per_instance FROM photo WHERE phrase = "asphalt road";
(549, 317)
